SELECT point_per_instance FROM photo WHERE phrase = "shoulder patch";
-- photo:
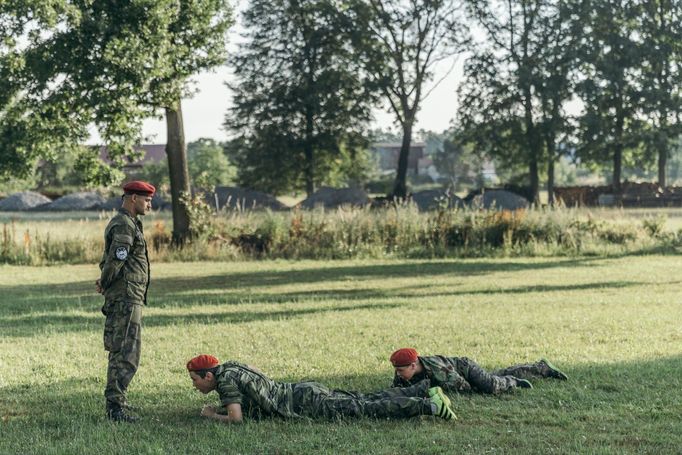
(121, 253)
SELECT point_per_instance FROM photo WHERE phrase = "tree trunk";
(662, 143)
(309, 169)
(551, 155)
(618, 147)
(400, 185)
(534, 179)
(179, 175)
(617, 168)
(533, 145)
(550, 182)
(662, 165)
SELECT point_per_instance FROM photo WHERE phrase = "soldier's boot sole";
(523, 384)
(120, 416)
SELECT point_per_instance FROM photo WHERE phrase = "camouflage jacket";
(256, 393)
(441, 371)
(125, 262)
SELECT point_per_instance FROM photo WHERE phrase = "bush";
(399, 230)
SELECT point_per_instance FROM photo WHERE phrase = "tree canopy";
(403, 41)
(299, 94)
(69, 65)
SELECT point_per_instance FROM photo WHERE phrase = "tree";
(110, 64)
(404, 40)
(490, 116)
(516, 85)
(208, 165)
(298, 95)
(457, 161)
(554, 82)
(610, 61)
(37, 116)
(660, 36)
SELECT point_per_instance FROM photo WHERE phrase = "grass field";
(612, 324)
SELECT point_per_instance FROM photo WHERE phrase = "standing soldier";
(245, 391)
(124, 282)
(460, 374)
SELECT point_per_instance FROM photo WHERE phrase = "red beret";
(139, 187)
(403, 357)
(202, 362)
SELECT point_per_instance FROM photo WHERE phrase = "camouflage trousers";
(312, 399)
(122, 338)
(535, 370)
(500, 380)
(483, 381)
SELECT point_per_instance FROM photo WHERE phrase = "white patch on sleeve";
(121, 253)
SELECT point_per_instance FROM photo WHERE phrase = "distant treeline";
(595, 82)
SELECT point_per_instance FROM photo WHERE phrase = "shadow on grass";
(74, 307)
(249, 286)
(368, 272)
(27, 326)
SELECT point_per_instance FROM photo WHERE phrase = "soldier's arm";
(255, 369)
(395, 381)
(119, 249)
(399, 382)
(234, 413)
(454, 382)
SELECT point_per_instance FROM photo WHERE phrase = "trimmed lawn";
(613, 325)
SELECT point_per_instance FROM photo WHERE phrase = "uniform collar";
(127, 213)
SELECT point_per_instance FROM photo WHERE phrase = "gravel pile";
(26, 200)
(330, 198)
(499, 200)
(86, 200)
(435, 199)
(241, 198)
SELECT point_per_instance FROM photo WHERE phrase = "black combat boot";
(523, 383)
(116, 414)
(129, 407)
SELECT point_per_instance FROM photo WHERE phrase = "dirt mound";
(499, 200)
(330, 198)
(26, 200)
(434, 199)
(86, 200)
(241, 198)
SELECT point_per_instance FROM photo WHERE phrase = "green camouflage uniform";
(125, 280)
(260, 396)
(460, 374)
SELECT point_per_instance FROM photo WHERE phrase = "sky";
(204, 113)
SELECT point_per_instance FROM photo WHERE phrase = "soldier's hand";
(208, 411)
(98, 287)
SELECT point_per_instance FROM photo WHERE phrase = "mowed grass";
(613, 325)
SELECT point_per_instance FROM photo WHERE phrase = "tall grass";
(347, 233)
